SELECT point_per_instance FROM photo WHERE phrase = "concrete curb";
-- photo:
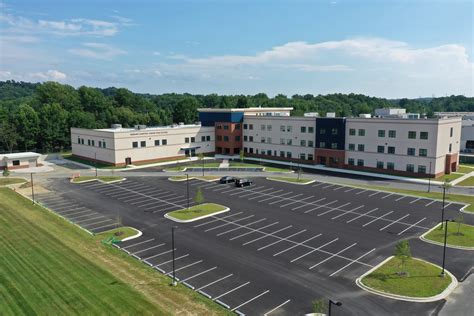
(197, 218)
(279, 180)
(442, 295)
(193, 177)
(423, 238)
(91, 180)
(138, 234)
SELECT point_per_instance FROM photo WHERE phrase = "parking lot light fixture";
(32, 188)
(172, 248)
(332, 302)
(445, 187)
(187, 190)
(429, 179)
(444, 248)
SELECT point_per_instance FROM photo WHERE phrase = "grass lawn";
(466, 239)
(180, 178)
(468, 199)
(423, 279)
(196, 165)
(469, 182)
(119, 233)
(252, 165)
(449, 177)
(49, 266)
(197, 211)
(100, 165)
(288, 179)
(7, 181)
(102, 178)
(465, 169)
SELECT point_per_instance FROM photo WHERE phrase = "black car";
(227, 179)
(242, 182)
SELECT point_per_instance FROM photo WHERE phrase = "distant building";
(19, 160)
(467, 131)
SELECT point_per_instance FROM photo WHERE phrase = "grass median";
(118, 233)
(8, 181)
(101, 178)
(422, 279)
(182, 178)
(197, 211)
(458, 235)
(469, 182)
(49, 266)
(291, 180)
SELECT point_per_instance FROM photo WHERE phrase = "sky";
(384, 48)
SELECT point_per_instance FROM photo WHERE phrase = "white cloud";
(156, 53)
(97, 51)
(54, 75)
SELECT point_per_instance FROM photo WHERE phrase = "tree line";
(38, 116)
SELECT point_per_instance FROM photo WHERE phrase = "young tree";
(320, 306)
(459, 221)
(199, 198)
(241, 153)
(8, 135)
(403, 253)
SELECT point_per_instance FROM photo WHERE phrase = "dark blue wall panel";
(209, 118)
(327, 124)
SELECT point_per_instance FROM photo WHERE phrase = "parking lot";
(281, 245)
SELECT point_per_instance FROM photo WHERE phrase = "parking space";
(280, 246)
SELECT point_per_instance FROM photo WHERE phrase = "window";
(289, 142)
(334, 131)
(245, 126)
(352, 131)
(360, 162)
(322, 131)
(410, 168)
(352, 146)
(303, 129)
(333, 145)
(16, 162)
(450, 147)
(208, 138)
(282, 141)
(219, 137)
(237, 138)
(360, 147)
(282, 128)
(226, 127)
(262, 139)
(245, 138)
(186, 140)
(392, 134)
(424, 135)
(379, 164)
(288, 154)
(391, 150)
(421, 169)
(310, 143)
(310, 129)
(226, 138)
(245, 150)
(135, 144)
(82, 141)
(410, 151)
(322, 145)
(361, 132)
(203, 138)
(411, 134)
(303, 156)
(350, 161)
(251, 150)
(100, 143)
(193, 139)
(103, 144)
(282, 154)
(251, 138)
(93, 142)
(422, 152)
(157, 142)
(164, 142)
(303, 142)
(88, 142)
(289, 128)
(262, 127)
(310, 157)
(390, 165)
(269, 152)
(269, 140)
(143, 143)
(450, 133)
(381, 149)
(78, 140)
(237, 126)
(250, 126)
(269, 127)
(381, 133)
(219, 126)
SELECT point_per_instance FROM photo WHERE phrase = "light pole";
(429, 179)
(444, 248)
(445, 184)
(187, 189)
(32, 188)
(335, 303)
(95, 163)
(172, 247)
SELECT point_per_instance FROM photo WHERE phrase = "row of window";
(226, 138)
(334, 131)
(226, 126)
(91, 142)
(158, 142)
(275, 153)
(388, 165)
(391, 133)
(323, 145)
(188, 140)
(283, 141)
(422, 152)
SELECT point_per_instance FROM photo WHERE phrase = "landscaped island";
(196, 212)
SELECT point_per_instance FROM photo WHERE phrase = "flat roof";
(415, 120)
(148, 128)
(20, 155)
(238, 110)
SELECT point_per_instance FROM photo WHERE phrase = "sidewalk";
(460, 301)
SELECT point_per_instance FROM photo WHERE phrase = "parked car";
(227, 179)
(243, 182)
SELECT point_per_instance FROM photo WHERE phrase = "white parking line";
(142, 250)
(161, 194)
(252, 231)
(212, 184)
(275, 308)
(328, 186)
(234, 289)
(411, 226)
(196, 275)
(214, 282)
(311, 203)
(252, 191)
(430, 203)
(375, 219)
(317, 184)
(225, 224)
(386, 196)
(373, 194)
(360, 192)
(92, 213)
(233, 189)
(446, 206)
(275, 197)
(74, 211)
(347, 212)
(294, 246)
(394, 222)
(267, 235)
(365, 214)
(88, 219)
(139, 243)
(176, 259)
(339, 208)
(95, 223)
(334, 255)
(299, 201)
(401, 198)
(338, 188)
(350, 263)
(318, 207)
(236, 228)
(415, 200)
(216, 219)
(314, 249)
(250, 300)
(280, 240)
(260, 195)
(222, 188)
(159, 254)
(285, 198)
(56, 204)
(185, 267)
(96, 228)
(351, 189)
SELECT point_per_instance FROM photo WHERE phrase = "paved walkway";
(224, 163)
(464, 177)
(460, 302)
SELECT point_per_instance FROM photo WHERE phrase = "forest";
(38, 116)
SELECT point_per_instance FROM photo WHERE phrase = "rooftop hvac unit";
(181, 123)
(364, 115)
(116, 126)
(331, 114)
(140, 126)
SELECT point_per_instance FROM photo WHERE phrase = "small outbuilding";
(19, 160)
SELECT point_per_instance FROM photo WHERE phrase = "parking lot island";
(292, 180)
(460, 236)
(105, 179)
(196, 212)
